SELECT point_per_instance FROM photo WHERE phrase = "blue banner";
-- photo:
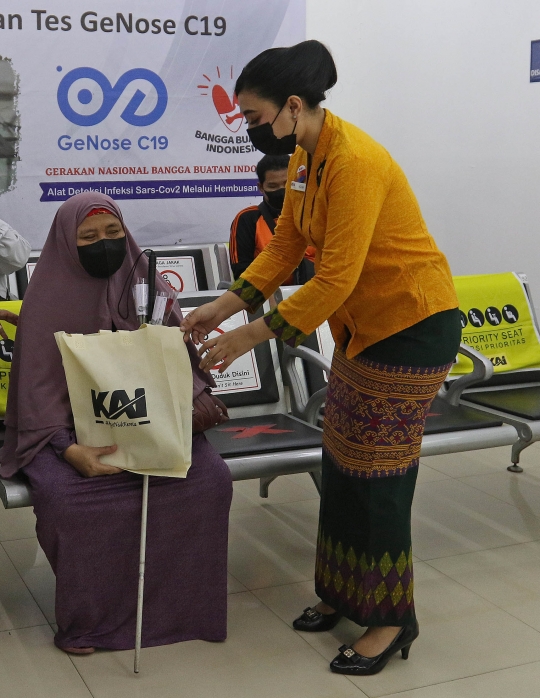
(136, 100)
(153, 189)
(535, 61)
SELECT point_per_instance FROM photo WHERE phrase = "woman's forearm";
(229, 304)
(259, 331)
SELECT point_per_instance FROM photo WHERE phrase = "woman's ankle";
(375, 640)
(324, 608)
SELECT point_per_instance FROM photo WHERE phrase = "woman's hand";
(198, 324)
(229, 346)
(6, 316)
(85, 459)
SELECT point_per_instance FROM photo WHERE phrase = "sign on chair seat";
(497, 320)
(182, 269)
(506, 332)
(444, 418)
(520, 401)
(262, 434)
(251, 379)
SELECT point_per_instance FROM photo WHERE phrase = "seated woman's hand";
(85, 459)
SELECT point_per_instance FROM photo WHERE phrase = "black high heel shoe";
(312, 621)
(350, 662)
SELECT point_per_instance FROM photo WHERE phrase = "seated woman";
(88, 513)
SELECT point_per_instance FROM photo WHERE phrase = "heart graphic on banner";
(228, 110)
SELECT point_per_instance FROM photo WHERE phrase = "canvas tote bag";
(135, 390)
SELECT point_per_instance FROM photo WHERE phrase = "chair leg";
(517, 448)
(264, 484)
(515, 468)
(317, 479)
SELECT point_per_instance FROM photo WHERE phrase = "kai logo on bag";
(128, 379)
(120, 404)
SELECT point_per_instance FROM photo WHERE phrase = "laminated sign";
(135, 390)
(497, 321)
(6, 352)
(243, 374)
(178, 272)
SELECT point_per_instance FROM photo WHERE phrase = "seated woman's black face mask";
(103, 258)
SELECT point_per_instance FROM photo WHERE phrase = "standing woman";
(387, 293)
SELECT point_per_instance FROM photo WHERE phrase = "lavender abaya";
(89, 527)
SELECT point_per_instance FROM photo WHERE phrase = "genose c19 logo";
(88, 107)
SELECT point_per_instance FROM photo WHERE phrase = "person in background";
(14, 253)
(253, 227)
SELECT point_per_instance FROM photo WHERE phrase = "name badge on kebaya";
(298, 186)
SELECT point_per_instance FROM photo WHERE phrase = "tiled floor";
(477, 549)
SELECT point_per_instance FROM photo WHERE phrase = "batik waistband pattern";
(375, 414)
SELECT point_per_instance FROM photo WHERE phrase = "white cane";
(142, 561)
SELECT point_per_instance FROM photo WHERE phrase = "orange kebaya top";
(378, 270)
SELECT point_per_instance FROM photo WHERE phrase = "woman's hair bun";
(306, 69)
(317, 64)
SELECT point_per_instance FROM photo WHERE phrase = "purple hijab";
(62, 296)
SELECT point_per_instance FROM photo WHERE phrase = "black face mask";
(275, 198)
(103, 258)
(265, 140)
